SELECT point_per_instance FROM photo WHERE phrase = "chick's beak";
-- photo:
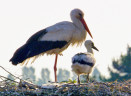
(95, 48)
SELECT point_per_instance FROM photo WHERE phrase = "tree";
(96, 74)
(63, 75)
(122, 67)
(10, 77)
(29, 74)
(45, 76)
(74, 76)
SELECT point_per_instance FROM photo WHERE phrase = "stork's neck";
(89, 49)
(80, 33)
(78, 24)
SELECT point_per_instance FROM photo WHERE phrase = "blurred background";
(108, 20)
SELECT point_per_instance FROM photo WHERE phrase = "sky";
(108, 20)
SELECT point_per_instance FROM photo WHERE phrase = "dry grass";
(66, 89)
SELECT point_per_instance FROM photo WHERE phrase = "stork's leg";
(78, 79)
(87, 77)
(55, 68)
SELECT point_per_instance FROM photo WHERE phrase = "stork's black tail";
(20, 55)
(32, 49)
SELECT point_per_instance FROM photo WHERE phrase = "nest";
(21, 87)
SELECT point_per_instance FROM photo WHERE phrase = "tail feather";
(35, 48)
(20, 55)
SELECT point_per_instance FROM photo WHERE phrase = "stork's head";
(89, 45)
(78, 14)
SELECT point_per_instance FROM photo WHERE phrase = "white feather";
(81, 69)
(62, 31)
(87, 57)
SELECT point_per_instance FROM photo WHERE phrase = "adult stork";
(54, 39)
(82, 63)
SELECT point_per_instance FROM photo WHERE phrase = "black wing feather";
(35, 47)
(81, 60)
(32, 49)
(36, 36)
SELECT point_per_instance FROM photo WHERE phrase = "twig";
(9, 72)
(8, 79)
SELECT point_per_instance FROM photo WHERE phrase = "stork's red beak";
(85, 26)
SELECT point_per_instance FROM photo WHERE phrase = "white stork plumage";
(82, 63)
(53, 39)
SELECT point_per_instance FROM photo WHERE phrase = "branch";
(8, 79)
(10, 73)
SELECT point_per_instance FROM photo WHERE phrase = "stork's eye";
(80, 15)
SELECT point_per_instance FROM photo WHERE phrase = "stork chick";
(82, 63)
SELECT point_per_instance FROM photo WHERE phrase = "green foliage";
(69, 81)
(29, 74)
(45, 77)
(74, 76)
(10, 77)
(63, 75)
(123, 67)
